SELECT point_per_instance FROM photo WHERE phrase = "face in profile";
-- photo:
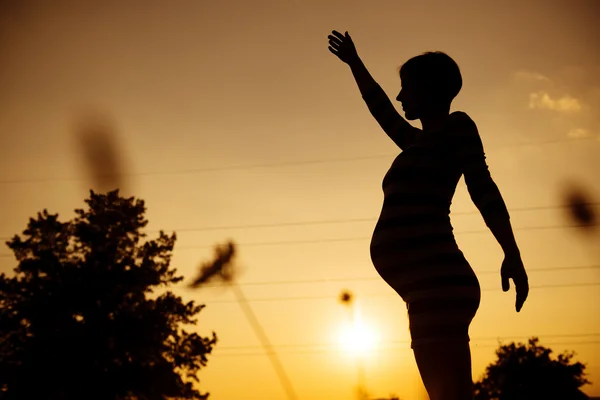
(413, 98)
(417, 100)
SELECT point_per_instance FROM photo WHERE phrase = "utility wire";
(268, 165)
(474, 346)
(389, 295)
(376, 278)
(475, 339)
(359, 238)
(353, 220)
(337, 221)
(364, 279)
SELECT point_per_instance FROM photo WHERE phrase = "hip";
(422, 272)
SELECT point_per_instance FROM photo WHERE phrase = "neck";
(434, 119)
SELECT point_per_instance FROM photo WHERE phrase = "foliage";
(529, 372)
(80, 318)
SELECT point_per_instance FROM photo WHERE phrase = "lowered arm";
(483, 190)
(380, 106)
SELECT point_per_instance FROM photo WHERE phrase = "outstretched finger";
(522, 293)
(333, 51)
(334, 44)
(333, 39)
(505, 283)
(338, 34)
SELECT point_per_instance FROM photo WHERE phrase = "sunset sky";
(234, 121)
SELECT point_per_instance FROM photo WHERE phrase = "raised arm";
(486, 196)
(379, 104)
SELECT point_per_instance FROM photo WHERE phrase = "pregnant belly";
(409, 259)
(400, 243)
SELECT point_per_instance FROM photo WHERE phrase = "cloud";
(542, 99)
(530, 76)
(578, 133)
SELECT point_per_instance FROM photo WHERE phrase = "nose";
(400, 96)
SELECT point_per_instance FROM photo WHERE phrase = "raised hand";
(342, 46)
(513, 268)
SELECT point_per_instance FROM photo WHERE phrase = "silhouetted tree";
(524, 372)
(79, 319)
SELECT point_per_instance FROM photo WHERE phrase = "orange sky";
(195, 87)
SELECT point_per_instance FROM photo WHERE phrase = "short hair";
(437, 71)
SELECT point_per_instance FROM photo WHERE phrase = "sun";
(357, 338)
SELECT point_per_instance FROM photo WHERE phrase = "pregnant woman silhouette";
(413, 247)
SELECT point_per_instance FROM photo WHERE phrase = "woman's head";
(430, 82)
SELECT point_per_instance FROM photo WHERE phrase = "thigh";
(439, 318)
(443, 312)
(445, 368)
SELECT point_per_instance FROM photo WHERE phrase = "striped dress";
(413, 246)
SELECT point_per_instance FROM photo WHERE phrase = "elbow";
(487, 199)
(492, 207)
(494, 211)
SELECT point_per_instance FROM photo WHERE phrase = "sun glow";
(357, 338)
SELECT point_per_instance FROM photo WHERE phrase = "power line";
(189, 171)
(359, 238)
(406, 347)
(206, 169)
(337, 221)
(364, 279)
(476, 339)
(389, 295)
(377, 278)
(352, 220)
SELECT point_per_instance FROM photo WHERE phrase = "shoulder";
(463, 135)
(461, 119)
(461, 126)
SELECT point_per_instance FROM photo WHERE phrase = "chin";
(410, 115)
